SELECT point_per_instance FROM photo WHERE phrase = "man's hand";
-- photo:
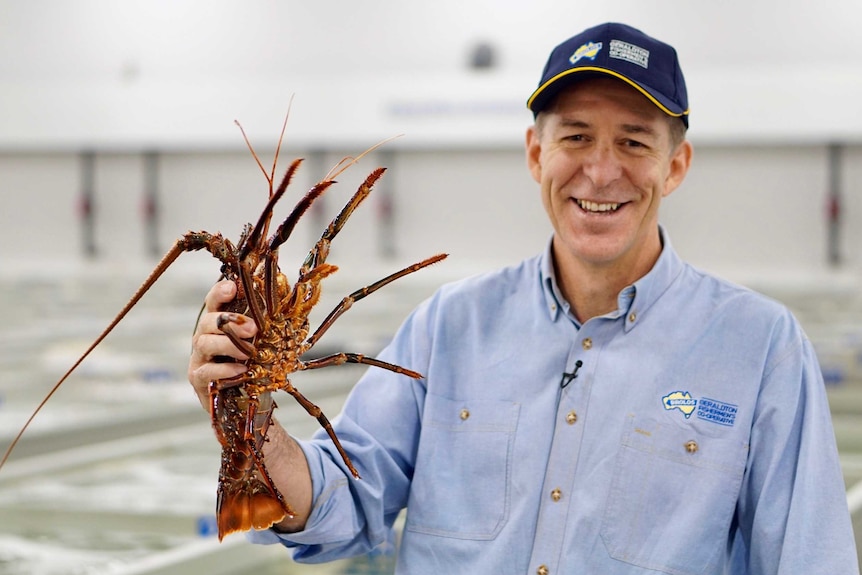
(210, 342)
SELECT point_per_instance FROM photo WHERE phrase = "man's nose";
(602, 166)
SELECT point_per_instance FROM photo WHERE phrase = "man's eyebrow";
(644, 129)
(639, 129)
(572, 123)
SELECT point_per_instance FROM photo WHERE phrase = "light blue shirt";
(695, 439)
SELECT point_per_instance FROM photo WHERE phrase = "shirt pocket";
(461, 482)
(672, 497)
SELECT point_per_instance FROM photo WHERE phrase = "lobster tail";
(247, 498)
(245, 507)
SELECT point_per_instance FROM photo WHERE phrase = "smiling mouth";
(597, 208)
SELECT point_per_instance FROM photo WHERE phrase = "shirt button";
(571, 417)
(465, 413)
(691, 446)
(632, 317)
(587, 344)
(556, 494)
(543, 570)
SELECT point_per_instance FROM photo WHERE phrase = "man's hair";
(678, 130)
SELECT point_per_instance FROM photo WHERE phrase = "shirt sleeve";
(792, 512)
(379, 429)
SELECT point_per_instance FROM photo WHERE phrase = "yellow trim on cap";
(604, 71)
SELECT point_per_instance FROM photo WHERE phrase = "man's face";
(602, 155)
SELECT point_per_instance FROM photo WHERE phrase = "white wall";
(754, 213)
(759, 214)
(140, 73)
(771, 84)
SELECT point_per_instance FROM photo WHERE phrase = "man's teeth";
(594, 207)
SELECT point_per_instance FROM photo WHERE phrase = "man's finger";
(221, 293)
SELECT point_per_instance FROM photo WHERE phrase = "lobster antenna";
(348, 161)
(270, 176)
(166, 261)
(280, 140)
(256, 159)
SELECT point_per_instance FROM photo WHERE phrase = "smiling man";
(605, 156)
(602, 408)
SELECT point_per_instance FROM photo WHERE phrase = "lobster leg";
(314, 411)
(319, 252)
(348, 301)
(341, 358)
(282, 234)
(215, 389)
(286, 228)
(254, 300)
(361, 193)
(224, 324)
(256, 238)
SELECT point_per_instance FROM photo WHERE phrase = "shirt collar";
(554, 301)
(633, 300)
(655, 283)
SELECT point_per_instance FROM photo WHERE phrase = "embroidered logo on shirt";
(716, 411)
(680, 400)
(706, 409)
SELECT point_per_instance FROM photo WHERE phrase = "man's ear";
(534, 152)
(679, 164)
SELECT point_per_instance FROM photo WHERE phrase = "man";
(602, 408)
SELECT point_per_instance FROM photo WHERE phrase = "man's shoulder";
(506, 279)
(490, 291)
(722, 295)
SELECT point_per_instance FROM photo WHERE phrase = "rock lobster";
(241, 407)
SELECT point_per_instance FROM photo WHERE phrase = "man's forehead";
(592, 91)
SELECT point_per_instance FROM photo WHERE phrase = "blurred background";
(117, 136)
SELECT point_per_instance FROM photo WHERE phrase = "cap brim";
(544, 93)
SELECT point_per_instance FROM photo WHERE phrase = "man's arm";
(793, 508)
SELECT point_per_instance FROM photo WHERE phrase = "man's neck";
(592, 290)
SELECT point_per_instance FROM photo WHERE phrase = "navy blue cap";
(649, 65)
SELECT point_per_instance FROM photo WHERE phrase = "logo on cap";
(629, 52)
(589, 50)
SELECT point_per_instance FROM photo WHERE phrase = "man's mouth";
(597, 208)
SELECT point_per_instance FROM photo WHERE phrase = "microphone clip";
(568, 377)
